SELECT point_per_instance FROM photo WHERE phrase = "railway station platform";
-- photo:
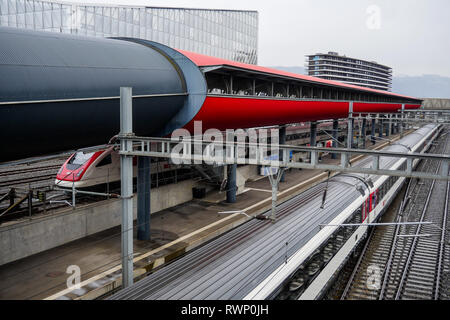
(174, 231)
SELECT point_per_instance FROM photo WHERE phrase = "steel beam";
(126, 175)
(350, 126)
(335, 137)
(363, 132)
(274, 182)
(166, 145)
(380, 127)
(372, 134)
(143, 200)
(313, 134)
(231, 183)
(401, 121)
(389, 129)
(282, 139)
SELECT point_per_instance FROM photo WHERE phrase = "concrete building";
(228, 34)
(332, 66)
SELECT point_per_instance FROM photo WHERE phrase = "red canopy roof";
(203, 60)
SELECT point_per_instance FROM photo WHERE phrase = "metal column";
(389, 127)
(335, 137)
(143, 200)
(394, 125)
(397, 124)
(401, 121)
(380, 128)
(282, 140)
(372, 134)
(126, 178)
(231, 183)
(313, 134)
(350, 126)
(274, 182)
(363, 132)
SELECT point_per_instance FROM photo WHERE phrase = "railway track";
(28, 170)
(26, 180)
(408, 262)
(34, 175)
(21, 179)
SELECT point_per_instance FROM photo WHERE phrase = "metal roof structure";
(207, 61)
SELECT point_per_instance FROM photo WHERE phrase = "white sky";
(413, 35)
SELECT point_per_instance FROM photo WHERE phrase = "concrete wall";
(243, 174)
(42, 233)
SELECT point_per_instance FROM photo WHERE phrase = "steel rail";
(27, 180)
(355, 283)
(413, 246)
(442, 245)
(387, 270)
(28, 170)
(358, 263)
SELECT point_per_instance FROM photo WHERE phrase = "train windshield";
(78, 160)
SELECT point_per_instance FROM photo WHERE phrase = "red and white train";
(88, 169)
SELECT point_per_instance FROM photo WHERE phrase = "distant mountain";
(299, 70)
(426, 86)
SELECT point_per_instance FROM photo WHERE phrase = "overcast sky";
(411, 36)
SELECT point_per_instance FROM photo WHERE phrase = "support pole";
(363, 132)
(274, 181)
(231, 184)
(401, 121)
(335, 137)
(126, 175)
(313, 134)
(380, 128)
(143, 200)
(372, 134)
(389, 127)
(30, 202)
(350, 126)
(274, 200)
(282, 140)
(395, 125)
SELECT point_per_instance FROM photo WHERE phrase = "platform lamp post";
(126, 178)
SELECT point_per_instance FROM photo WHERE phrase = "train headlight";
(80, 172)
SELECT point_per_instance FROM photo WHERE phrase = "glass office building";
(228, 34)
